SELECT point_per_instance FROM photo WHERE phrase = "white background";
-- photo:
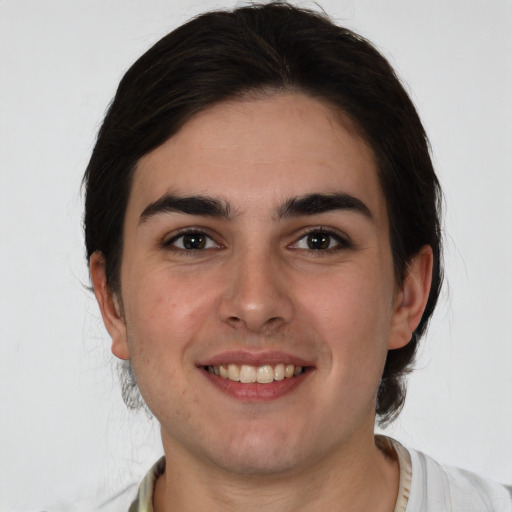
(66, 440)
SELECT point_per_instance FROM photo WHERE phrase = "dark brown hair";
(263, 49)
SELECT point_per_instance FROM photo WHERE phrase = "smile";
(263, 374)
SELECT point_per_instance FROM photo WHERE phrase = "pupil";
(194, 241)
(318, 241)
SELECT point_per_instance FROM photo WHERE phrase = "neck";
(355, 478)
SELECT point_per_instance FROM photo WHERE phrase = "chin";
(254, 453)
(257, 463)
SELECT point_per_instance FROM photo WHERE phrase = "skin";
(258, 287)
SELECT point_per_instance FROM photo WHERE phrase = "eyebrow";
(311, 204)
(193, 205)
(314, 204)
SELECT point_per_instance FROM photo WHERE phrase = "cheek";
(165, 311)
(351, 313)
(348, 300)
(163, 322)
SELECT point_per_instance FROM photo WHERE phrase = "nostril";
(273, 322)
(268, 326)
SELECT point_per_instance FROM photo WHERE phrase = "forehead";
(259, 152)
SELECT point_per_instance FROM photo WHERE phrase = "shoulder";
(435, 487)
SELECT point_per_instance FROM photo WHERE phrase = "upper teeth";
(261, 374)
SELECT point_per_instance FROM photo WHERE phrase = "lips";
(256, 376)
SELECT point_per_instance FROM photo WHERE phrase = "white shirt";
(425, 486)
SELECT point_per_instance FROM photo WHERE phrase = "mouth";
(262, 374)
(256, 377)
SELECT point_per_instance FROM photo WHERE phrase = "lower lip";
(255, 392)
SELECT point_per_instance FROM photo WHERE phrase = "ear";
(411, 298)
(110, 306)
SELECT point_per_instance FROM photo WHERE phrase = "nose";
(256, 294)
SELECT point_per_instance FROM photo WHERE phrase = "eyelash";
(170, 243)
(341, 241)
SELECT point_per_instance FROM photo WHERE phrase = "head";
(258, 52)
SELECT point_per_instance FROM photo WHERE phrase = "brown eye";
(321, 240)
(318, 241)
(194, 241)
(191, 241)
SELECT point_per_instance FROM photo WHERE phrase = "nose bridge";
(256, 293)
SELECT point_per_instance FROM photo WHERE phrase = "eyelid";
(344, 241)
(170, 239)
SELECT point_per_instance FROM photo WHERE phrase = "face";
(258, 296)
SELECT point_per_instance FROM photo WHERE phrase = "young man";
(264, 243)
